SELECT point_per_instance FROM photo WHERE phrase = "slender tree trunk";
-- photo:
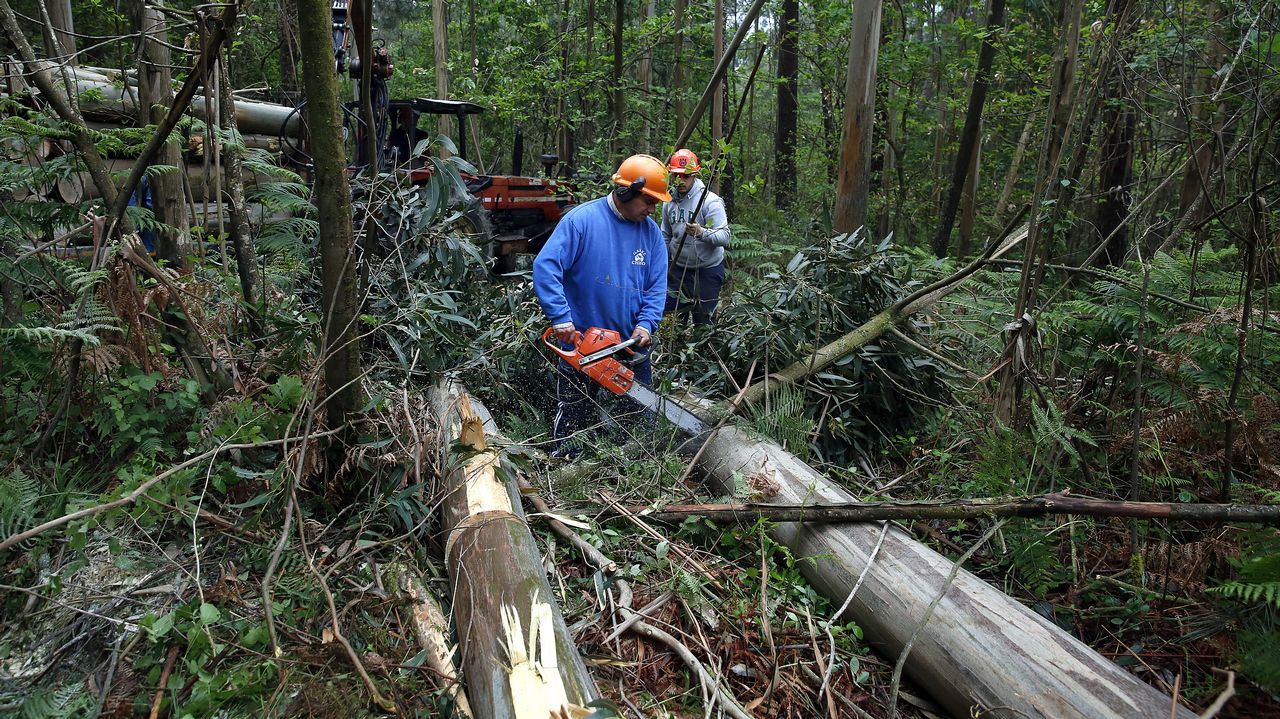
(155, 96)
(717, 100)
(890, 165)
(619, 101)
(440, 51)
(233, 168)
(677, 72)
(290, 53)
(564, 147)
(474, 64)
(64, 28)
(968, 201)
(969, 136)
(940, 17)
(649, 8)
(332, 197)
(853, 188)
(1116, 152)
(784, 148)
(1008, 399)
(1011, 177)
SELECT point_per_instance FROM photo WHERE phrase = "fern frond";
(1268, 592)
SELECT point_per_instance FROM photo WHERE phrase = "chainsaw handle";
(566, 355)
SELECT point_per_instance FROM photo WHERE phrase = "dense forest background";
(219, 485)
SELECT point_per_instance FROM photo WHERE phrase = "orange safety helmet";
(683, 162)
(644, 173)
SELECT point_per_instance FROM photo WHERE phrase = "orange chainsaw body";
(608, 372)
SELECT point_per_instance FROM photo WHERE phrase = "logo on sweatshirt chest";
(638, 258)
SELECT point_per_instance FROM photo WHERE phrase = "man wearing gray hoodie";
(695, 245)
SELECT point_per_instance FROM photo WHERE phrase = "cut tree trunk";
(500, 592)
(114, 105)
(981, 651)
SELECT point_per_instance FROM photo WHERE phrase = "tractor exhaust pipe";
(517, 151)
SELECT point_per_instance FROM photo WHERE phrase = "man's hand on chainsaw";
(643, 334)
(566, 333)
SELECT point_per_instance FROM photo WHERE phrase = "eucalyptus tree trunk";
(565, 144)
(677, 71)
(969, 136)
(717, 100)
(888, 178)
(501, 597)
(1011, 177)
(64, 28)
(1008, 398)
(332, 197)
(290, 53)
(853, 186)
(968, 202)
(981, 653)
(618, 103)
(784, 147)
(233, 182)
(155, 96)
(649, 8)
(440, 50)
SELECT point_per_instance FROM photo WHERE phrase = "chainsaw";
(595, 353)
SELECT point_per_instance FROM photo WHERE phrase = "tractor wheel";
(475, 224)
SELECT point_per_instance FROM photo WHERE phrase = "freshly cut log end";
(980, 650)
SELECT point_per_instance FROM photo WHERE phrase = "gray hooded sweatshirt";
(698, 252)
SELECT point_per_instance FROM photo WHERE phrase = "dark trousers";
(578, 401)
(694, 292)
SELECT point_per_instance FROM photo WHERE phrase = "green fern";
(1050, 427)
(63, 702)
(1268, 592)
(19, 495)
(785, 419)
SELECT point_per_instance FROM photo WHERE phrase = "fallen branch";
(873, 328)
(431, 628)
(1049, 504)
(142, 489)
(1222, 699)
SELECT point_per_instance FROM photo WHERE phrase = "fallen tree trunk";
(873, 328)
(518, 657)
(964, 509)
(102, 100)
(981, 649)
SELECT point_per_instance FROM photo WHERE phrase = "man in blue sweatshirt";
(604, 266)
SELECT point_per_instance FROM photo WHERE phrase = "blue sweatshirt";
(599, 270)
